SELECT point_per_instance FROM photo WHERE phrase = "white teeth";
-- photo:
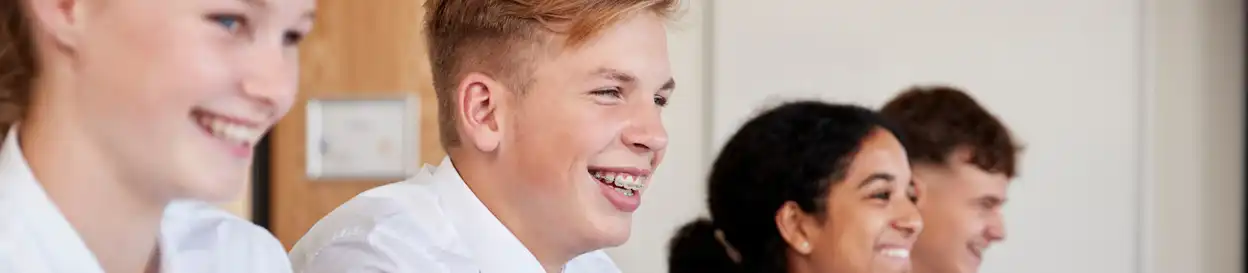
(622, 180)
(230, 131)
(896, 253)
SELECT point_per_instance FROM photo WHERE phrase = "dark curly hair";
(794, 152)
(939, 120)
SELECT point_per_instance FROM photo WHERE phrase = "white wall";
(1062, 73)
(1130, 110)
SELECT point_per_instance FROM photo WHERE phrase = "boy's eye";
(613, 93)
(882, 195)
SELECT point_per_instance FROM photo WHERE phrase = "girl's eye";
(292, 38)
(230, 22)
(913, 194)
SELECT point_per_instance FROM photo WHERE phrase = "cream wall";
(1064, 74)
(1131, 110)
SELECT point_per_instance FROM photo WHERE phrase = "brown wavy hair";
(498, 37)
(17, 63)
(939, 120)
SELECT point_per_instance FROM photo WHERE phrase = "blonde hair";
(496, 37)
(17, 63)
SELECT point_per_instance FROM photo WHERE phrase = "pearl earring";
(805, 248)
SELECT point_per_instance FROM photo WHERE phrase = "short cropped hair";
(498, 38)
(939, 120)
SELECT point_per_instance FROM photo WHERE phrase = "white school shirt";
(194, 237)
(430, 223)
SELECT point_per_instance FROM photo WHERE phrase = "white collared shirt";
(194, 237)
(430, 223)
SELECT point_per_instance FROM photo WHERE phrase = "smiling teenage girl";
(806, 187)
(121, 116)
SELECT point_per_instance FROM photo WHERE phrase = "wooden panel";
(357, 47)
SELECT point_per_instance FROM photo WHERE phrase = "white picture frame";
(363, 137)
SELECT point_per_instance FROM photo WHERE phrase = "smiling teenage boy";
(965, 157)
(549, 112)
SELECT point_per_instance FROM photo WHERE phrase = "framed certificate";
(363, 137)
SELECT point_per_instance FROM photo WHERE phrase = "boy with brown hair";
(965, 158)
(549, 111)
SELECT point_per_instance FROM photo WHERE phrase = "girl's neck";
(116, 219)
(797, 263)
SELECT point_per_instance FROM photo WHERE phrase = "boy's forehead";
(617, 65)
(625, 53)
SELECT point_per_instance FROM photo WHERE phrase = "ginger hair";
(500, 37)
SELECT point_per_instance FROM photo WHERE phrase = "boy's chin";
(615, 233)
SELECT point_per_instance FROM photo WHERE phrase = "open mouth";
(229, 130)
(624, 183)
(977, 253)
(896, 253)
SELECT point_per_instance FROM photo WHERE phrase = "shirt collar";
(494, 248)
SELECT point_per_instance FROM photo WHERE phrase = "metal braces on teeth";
(617, 183)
